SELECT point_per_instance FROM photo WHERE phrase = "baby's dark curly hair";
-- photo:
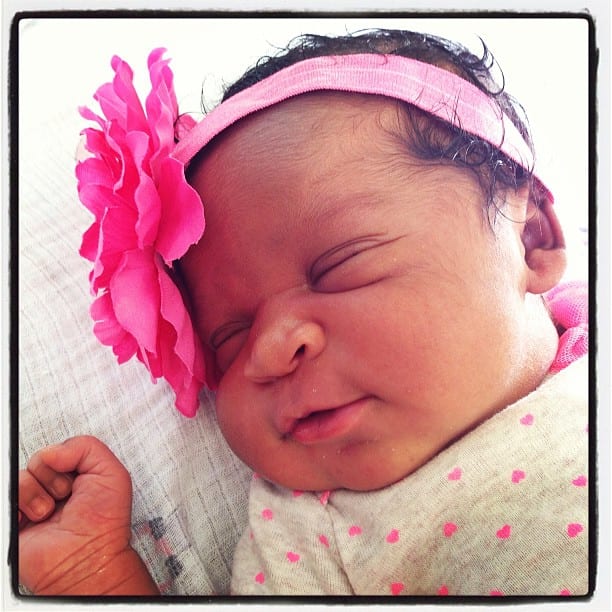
(430, 139)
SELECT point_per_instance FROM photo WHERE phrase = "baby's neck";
(540, 345)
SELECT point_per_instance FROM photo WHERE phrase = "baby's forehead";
(324, 150)
(319, 118)
(323, 108)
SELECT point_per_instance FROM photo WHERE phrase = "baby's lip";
(323, 423)
(288, 418)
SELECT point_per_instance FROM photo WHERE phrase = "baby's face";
(363, 313)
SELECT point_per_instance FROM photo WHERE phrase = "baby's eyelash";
(325, 262)
(225, 333)
(342, 253)
(324, 271)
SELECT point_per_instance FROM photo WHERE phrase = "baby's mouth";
(327, 424)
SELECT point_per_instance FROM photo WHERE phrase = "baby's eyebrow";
(338, 203)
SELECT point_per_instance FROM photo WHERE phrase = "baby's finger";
(34, 501)
(80, 455)
(56, 483)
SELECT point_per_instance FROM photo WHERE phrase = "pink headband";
(147, 215)
(432, 89)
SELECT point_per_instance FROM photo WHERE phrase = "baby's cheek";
(227, 404)
(237, 415)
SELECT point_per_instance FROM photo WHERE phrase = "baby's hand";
(75, 504)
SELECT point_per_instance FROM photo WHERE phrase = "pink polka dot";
(292, 557)
(392, 536)
(496, 593)
(260, 578)
(449, 529)
(455, 474)
(564, 592)
(354, 530)
(267, 514)
(517, 476)
(298, 493)
(527, 419)
(580, 481)
(443, 590)
(396, 588)
(574, 529)
(323, 539)
(504, 532)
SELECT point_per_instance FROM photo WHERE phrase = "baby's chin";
(354, 484)
(359, 480)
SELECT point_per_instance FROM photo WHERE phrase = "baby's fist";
(74, 520)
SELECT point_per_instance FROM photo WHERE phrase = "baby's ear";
(544, 245)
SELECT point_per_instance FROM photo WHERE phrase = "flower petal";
(161, 106)
(116, 236)
(182, 213)
(145, 193)
(89, 243)
(108, 330)
(135, 295)
(183, 360)
(119, 100)
(96, 198)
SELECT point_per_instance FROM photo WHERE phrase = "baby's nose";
(280, 345)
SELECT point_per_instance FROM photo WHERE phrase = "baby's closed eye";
(227, 340)
(352, 265)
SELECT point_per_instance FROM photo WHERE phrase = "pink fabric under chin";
(432, 89)
(569, 306)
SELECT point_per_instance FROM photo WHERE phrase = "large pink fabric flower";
(146, 216)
